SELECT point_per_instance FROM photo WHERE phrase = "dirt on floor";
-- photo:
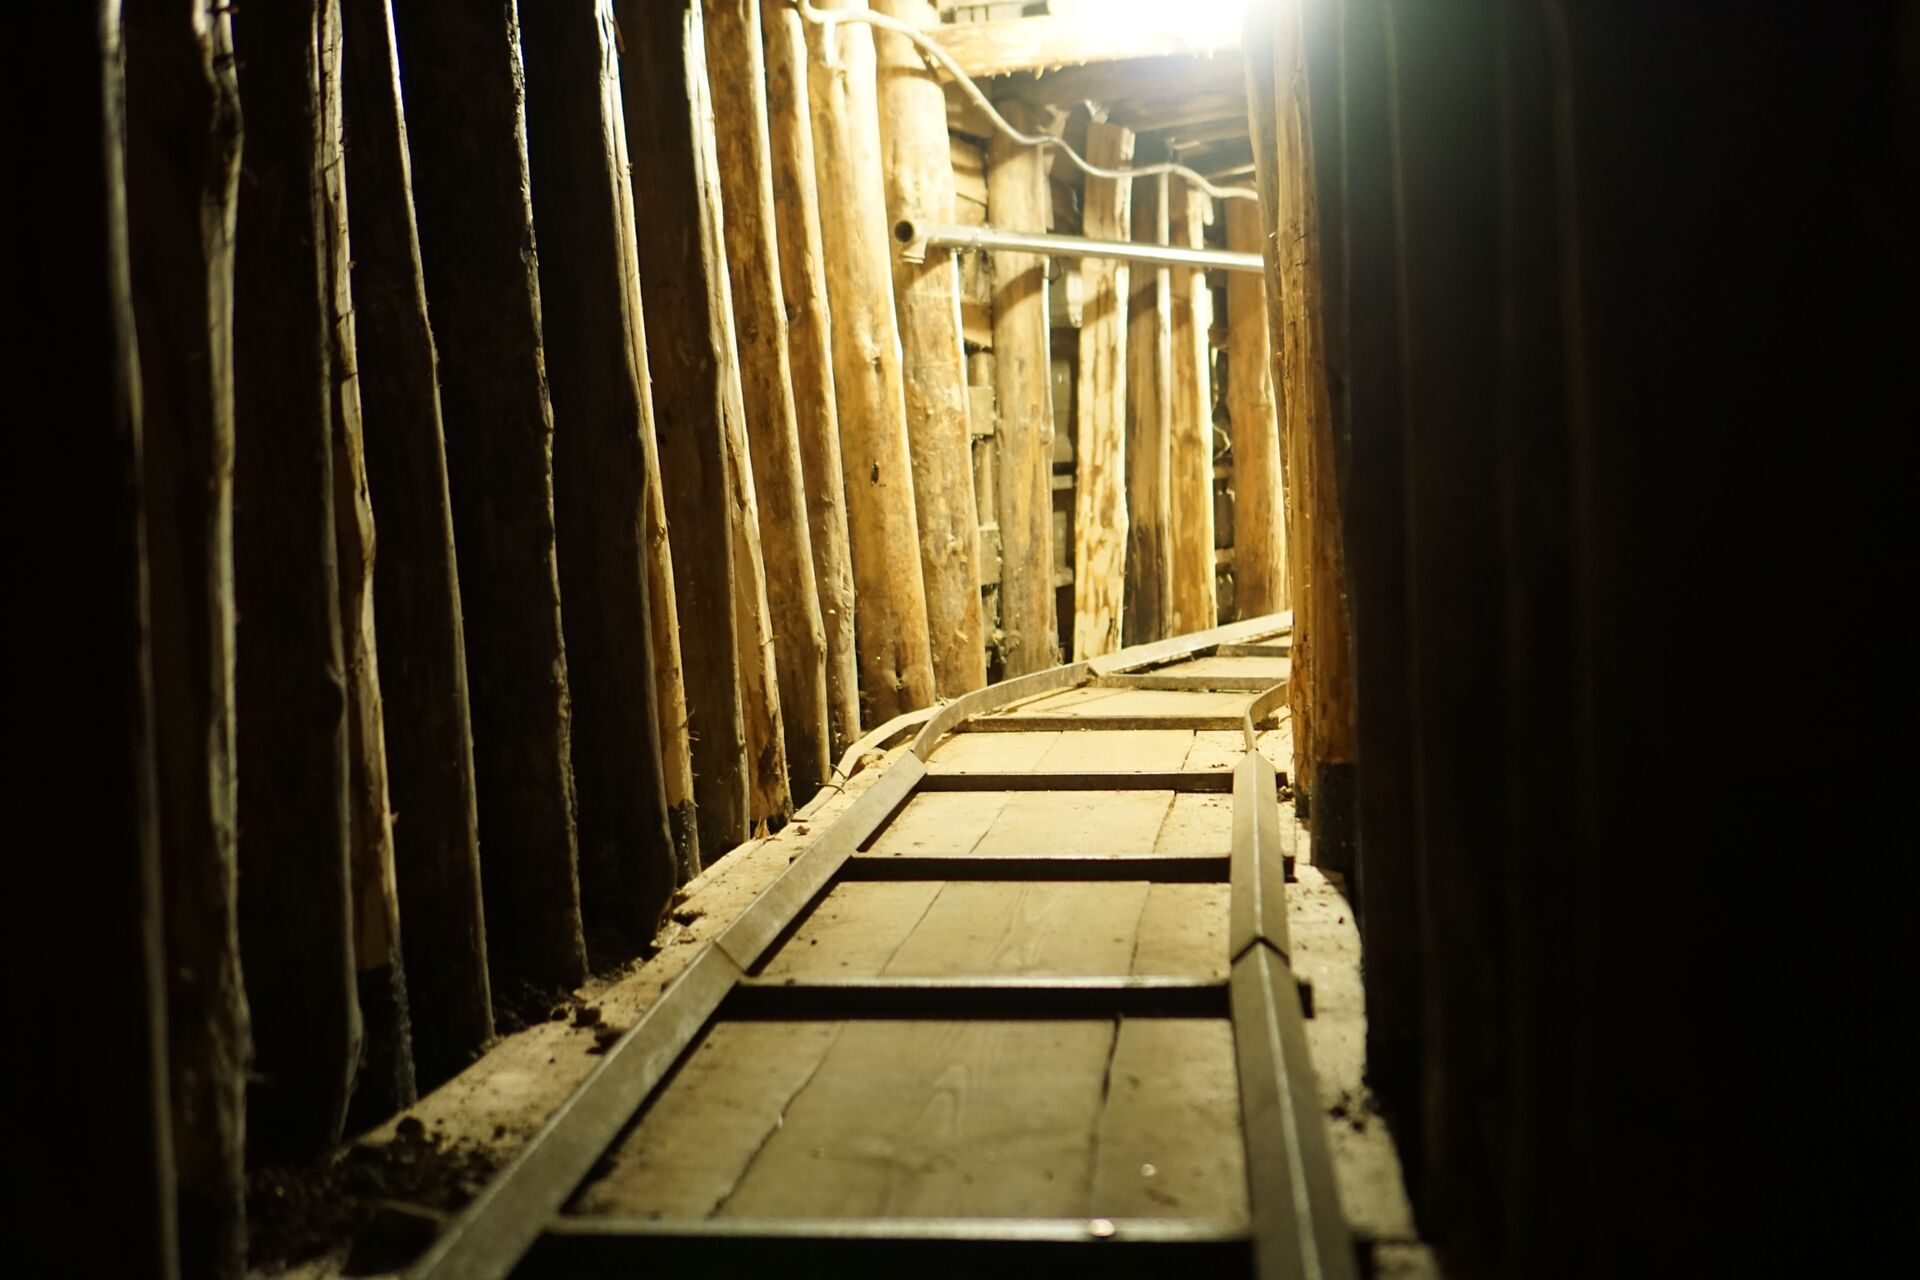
(373, 1207)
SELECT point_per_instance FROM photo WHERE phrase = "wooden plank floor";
(1115, 1118)
(995, 993)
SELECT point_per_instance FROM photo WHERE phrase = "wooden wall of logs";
(547, 466)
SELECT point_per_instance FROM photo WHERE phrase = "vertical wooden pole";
(416, 586)
(1190, 475)
(803, 283)
(919, 185)
(1259, 524)
(1266, 123)
(462, 77)
(736, 69)
(1149, 598)
(385, 1081)
(1017, 197)
(1321, 686)
(296, 909)
(663, 609)
(769, 795)
(183, 167)
(599, 477)
(1100, 489)
(84, 922)
(682, 264)
(896, 660)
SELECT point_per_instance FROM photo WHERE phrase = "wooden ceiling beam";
(1047, 41)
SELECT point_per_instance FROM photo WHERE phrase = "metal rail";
(917, 237)
(516, 1224)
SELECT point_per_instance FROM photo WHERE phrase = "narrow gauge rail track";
(997, 1018)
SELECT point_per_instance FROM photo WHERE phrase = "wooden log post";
(803, 283)
(1259, 522)
(385, 1081)
(895, 655)
(769, 794)
(1017, 200)
(1322, 673)
(682, 265)
(919, 185)
(1149, 598)
(463, 84)
(416, 586)
(292, 708)
(1266, 126)
(1190, 410)
(183, 166)
(663, 610)
(1100, 482)
(84, 940)
(736, 70)
(599, 477)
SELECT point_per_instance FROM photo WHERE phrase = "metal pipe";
(917, 237)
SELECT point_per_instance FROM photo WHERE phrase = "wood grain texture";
(1055, 930)
(803, 283)
(663, 599)
(1170, 1144)
(416, 582)
(907, 1119)
(1100, 454)
(919, 185)
(1321, 697)
(1018, 198)
(736, 70)
(769, 795)
(687, 1153)
(896, 660)
(463, 83)
(385, 1080)
(600, 478)
(683, 268)
(182, 157)
(1149, 594)
(296, 909)
(1259, 511)
(1190, 410)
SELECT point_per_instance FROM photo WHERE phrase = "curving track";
(1024, 1008)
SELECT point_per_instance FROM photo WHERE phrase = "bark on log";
(599, 476)
(1259, 525)
(1100, 481)
(896, 660)
(183, 166)
(385, 1082)
(1149, 369)
(1190, 475)
(803, 284)
(1323, 704)
(416, 586)
(463, 86)
(296, 909)
(1017, 197)
(769, 796)
(682, 267)
(83, 944)
(915, 157)
(735, 66)
(663, 619)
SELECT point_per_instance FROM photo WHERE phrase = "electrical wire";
(827, 20)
